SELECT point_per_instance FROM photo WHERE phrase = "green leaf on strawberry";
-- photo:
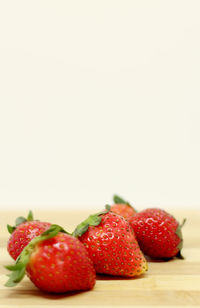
(92, 220)
(118, 200)
(19, 221)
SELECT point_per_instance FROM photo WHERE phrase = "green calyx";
(92, 220)
(179, 234)
(119, 200)
(108, 207)
(19, 221)
(19, 268)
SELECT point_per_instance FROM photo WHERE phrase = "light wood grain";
(166, 284)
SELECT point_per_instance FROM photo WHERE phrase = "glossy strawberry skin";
(124, 210)
(23, 234)
(156, 232)
(113, 248)
(61, 264)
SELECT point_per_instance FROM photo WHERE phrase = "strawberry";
(122, 207)
(158, 233)
(111, 245)
(23, 232)
(55, 262)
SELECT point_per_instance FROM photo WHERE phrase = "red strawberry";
(55, 262)
(158, 233)
(122, 207)
(23, 232)
(111, 245)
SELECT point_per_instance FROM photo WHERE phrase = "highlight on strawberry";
(158, 233)
(122, 207)
(23, 232)
(111, 244)
(55, 262)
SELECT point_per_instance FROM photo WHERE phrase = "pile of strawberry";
(111, 242)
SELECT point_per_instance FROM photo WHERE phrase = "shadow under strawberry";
(26, 293)
(163, 260)
(110, 277)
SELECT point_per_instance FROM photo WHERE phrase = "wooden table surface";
(166, 284)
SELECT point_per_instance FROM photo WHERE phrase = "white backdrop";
(98, 97)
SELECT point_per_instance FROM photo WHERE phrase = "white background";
(98, 97)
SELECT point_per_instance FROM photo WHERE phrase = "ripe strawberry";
(55, 262)
(111, 245)
(23, 232)
(122, 207)
(158, 233)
